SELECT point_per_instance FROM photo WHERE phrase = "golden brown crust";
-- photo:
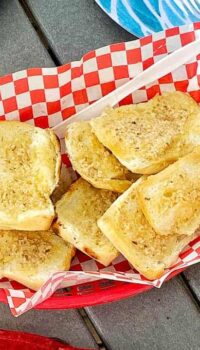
(56, 143)
(118, 186)
(66, 178)
(56, 227)
(90, 252)
(35, 223)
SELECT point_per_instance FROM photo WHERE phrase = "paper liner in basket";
(46, 96)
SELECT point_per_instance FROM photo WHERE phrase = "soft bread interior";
(93, 161)
(29, 172)
(78, 211)
(146, 137)
(125, 225)
(32, 257)
(170, 200)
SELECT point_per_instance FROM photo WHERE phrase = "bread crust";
(56, 143)
(35, 223)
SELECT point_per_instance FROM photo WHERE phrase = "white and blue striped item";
(143, 17)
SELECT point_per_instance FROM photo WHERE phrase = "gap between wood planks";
(39, 31)
(190, 290)
(92, 329)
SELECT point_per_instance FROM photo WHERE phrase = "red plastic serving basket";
(46, 96)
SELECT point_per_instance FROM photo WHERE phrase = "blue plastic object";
(143, 17)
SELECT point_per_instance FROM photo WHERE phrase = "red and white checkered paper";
(46, 96)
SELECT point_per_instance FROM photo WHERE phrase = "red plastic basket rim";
(118, 292)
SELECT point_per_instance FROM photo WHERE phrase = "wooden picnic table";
(44, 33)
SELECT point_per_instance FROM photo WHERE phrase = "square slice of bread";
(31, 258)
(29, 172)
(78, 211)
(170, 200)
(125, 225)
(147, 137)
(92, 160)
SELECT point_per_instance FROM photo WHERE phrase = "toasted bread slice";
(92, 160)
(170, 200)
(29, 172)
(31, 258)
(125, 225)
(149, 136)
(78, 211)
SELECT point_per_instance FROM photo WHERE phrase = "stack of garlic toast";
(138, 193)
(150, 153)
